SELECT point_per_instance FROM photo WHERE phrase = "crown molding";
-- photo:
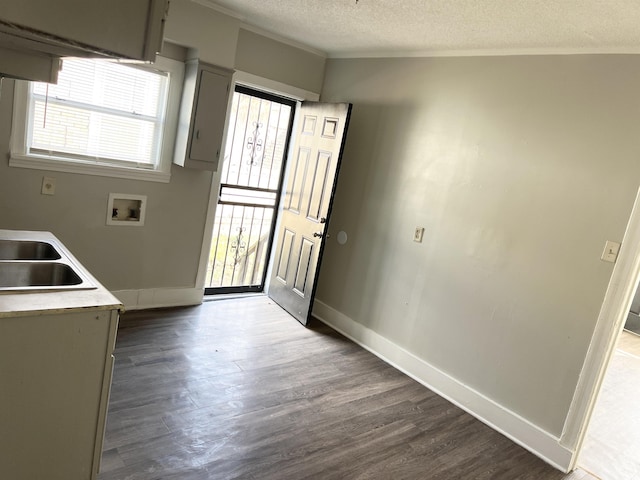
(486, 52)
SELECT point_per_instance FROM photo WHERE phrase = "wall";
(164, 254)
(212, 35)
(519, 168)
(268, 58)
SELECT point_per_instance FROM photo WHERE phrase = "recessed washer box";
(125, 209)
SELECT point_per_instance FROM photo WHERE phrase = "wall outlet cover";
(48, 186)
(610, 252)
(418, 234)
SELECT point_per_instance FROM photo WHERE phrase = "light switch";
(610, 253)
(48, 186)
(418, 234)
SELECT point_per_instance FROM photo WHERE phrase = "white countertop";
(23, 303)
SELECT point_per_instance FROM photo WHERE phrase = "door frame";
(253, 92)
(257, 83)
(613, 313)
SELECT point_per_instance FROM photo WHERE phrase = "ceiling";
(362, 28)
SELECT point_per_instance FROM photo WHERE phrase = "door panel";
(299, 177)
(319, 186)
(284, 255)
(318, 144)
(305, 257)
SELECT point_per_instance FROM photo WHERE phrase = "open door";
(314, 162)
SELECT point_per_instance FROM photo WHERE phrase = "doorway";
(250, 183)
(615, 308)
(612, 442)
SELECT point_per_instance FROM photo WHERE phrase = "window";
(102, 118)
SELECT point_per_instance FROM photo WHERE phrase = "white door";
(313, 164)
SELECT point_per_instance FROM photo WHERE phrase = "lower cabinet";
(55, 378)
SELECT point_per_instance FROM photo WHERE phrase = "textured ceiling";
(344, 28)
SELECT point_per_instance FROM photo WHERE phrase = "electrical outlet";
(418, 234)
(48, 186)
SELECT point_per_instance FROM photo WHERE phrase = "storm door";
(250, 183)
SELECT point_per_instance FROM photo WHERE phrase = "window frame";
(19, 155)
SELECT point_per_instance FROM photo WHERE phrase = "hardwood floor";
(612, 446)
(238, 389)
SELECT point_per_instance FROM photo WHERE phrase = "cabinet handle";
(198, 134)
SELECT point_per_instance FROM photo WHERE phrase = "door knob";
(323, 220)
(317, 234)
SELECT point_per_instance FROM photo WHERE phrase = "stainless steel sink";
(36, 262)
(18, 275)
(27, 250)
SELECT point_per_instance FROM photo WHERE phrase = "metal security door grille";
(250, 183)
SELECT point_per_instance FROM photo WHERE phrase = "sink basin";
(38, 263)
(27, 250)
(21, 275)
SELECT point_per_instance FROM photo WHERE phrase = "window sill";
(69, 166)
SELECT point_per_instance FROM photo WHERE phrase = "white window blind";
(101, 112)
(102, 118)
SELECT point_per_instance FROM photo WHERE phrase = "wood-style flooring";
(238, 389)
(612, 447)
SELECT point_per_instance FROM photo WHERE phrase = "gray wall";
(211, 35)
(165, 252)
(519, 168)
(283, 63)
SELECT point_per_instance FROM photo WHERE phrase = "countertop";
(14, 304)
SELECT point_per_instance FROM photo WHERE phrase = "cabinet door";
(209, 118)
(53, 393)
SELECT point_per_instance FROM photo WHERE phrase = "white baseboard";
(159, 297)
(510, 424)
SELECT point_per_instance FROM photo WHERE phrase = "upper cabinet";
(122, 29)
(29, 65)
(203, 112)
